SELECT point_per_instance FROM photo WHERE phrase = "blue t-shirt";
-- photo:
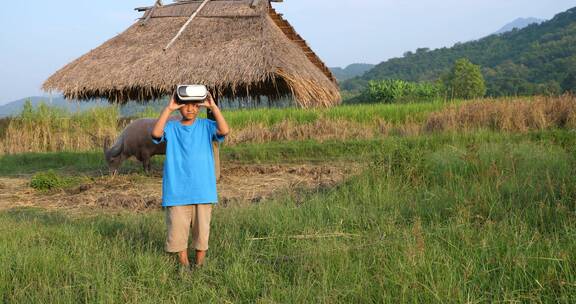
(189, 176)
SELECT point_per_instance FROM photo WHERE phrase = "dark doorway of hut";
(258, 102)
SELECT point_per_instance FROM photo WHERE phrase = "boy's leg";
(178, 220)
(201, 231)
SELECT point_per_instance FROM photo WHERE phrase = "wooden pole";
(215, 144)
(151, 12)
(216, 151)
(186, 24)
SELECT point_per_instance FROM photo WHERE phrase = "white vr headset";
(192, 93)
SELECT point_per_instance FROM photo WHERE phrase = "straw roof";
(238, 48)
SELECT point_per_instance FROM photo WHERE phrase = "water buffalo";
(135, 140)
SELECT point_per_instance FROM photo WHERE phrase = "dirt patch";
(15, 192)
(253, 184)
(239, 185)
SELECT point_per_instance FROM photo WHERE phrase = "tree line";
(539, 59)
(463, 81)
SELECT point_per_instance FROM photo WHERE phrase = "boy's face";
(190, 110)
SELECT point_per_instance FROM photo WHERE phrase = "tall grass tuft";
(53, 129)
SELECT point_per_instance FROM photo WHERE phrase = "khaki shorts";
(179, 219)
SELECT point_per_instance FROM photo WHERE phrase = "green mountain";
(537, 59)
(351, 71)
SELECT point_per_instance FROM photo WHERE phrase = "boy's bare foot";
(183, 258)
(200, 256)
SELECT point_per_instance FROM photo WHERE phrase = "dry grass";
(71, 138)
(506, 115)
(320, 130)
(48, 130)
(514, 115)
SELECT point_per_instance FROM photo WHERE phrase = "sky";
(39, 37)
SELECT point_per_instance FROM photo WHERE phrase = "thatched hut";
(238, 48)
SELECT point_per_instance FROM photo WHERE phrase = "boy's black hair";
(177, 98)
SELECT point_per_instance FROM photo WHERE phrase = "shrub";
(465, 80)
(391, 91)
(49, 180)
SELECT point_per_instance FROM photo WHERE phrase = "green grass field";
(465, 218)
(362, 113)
(479, 216)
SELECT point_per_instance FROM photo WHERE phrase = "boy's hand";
(209, 102)
(173, 105)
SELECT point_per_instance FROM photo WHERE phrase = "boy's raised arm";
(221, 123)
(158, 129)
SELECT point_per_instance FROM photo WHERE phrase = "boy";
(189, 181)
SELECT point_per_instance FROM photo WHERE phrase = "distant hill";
(539, 58)
(519, 24)
(353, 70)
(15, 107)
